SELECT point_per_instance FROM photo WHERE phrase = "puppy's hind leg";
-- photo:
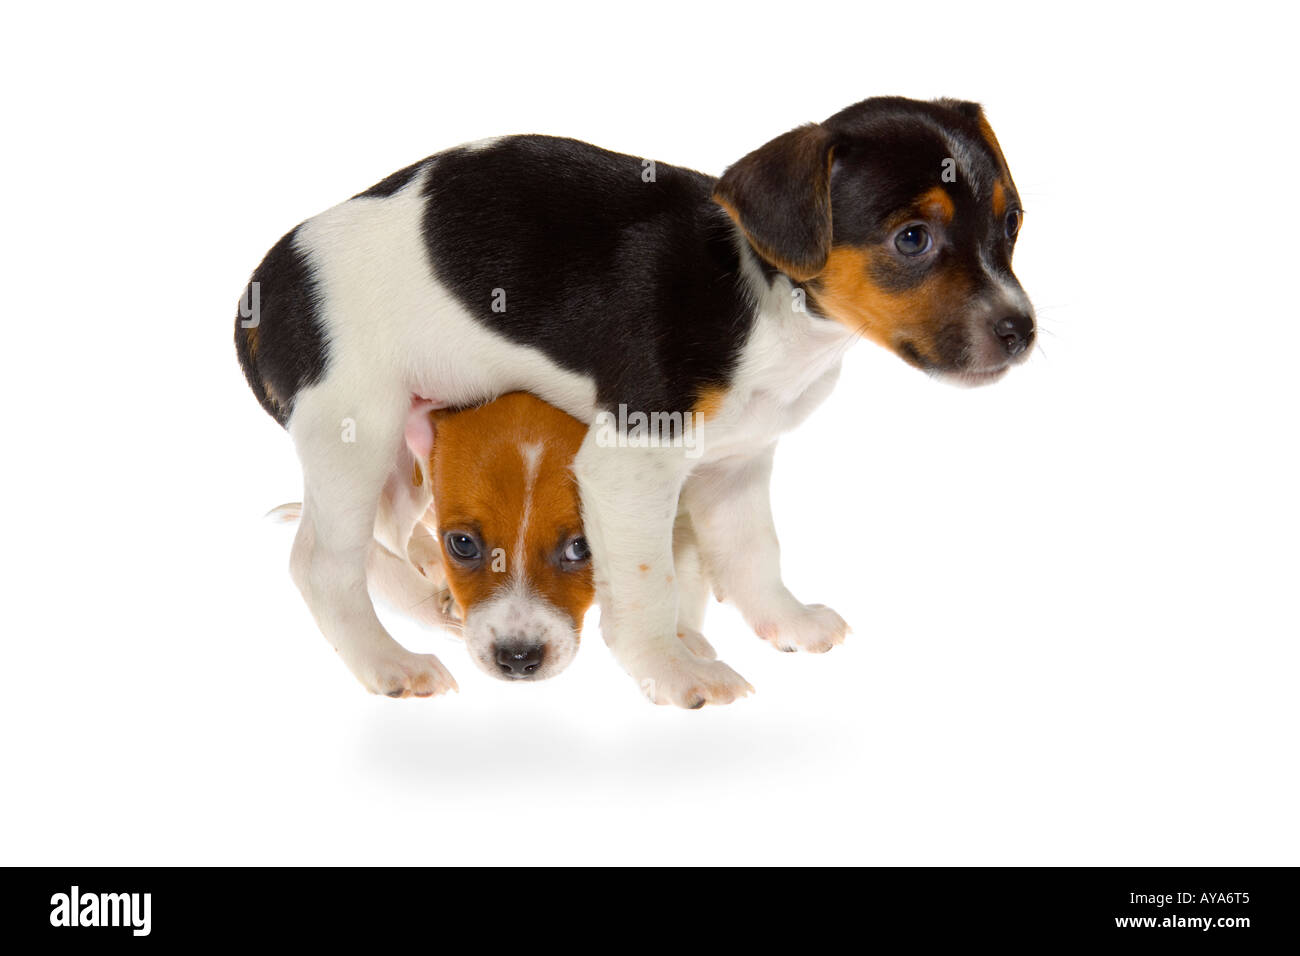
(405, 566)
(424, 597)
(348, 444)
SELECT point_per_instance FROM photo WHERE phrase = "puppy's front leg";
(629, 502)
(730, 506)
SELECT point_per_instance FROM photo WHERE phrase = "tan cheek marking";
(847, 294)
(845, 291)
(999, 200)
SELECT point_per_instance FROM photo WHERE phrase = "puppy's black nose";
(1014, 332)
(519, 660)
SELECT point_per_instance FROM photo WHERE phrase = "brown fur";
(986, 130)
(937, 204)
(477, 474)
(709, 402)
(846, 292)
(1000, 188)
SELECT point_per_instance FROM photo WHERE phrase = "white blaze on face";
(1007, 298)
(531, 453)
(518, 613)
(1011, 298)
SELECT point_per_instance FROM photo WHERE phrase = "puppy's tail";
(286, 513)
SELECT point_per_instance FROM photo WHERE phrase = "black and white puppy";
(626, 291)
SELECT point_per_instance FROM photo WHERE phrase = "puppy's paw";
(425, 555)
(695, 643)
(803, 627)
(437, 609)
(686, 680)
(448, 608)
(407, 675)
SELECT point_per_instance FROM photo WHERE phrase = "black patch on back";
(634, 283)
(391, 184)
(286, 351)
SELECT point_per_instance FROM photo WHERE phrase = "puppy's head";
(899, 219)
(510, 527)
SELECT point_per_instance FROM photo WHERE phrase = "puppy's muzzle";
(517, 636)
(1015, 333)
(519, 660)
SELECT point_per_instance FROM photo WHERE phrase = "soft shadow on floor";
(656, 751)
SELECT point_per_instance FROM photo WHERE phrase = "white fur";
(517, 612)
(789, 367)
(394, 331)
(532, 455)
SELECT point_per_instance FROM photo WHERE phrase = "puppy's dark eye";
(462, 546)
(577, 550)
(913, 241)
(1013, 223)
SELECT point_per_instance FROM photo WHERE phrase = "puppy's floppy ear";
(780, 196)
(421, 422)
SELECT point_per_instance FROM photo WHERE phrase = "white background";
(1072, 593)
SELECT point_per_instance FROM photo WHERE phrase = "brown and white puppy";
(505, 532)
(502, 542)
(497, 552)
